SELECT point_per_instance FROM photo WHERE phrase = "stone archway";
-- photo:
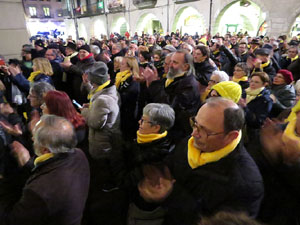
(188, 20)
(241, 18)
(147, 23)
(119, 25)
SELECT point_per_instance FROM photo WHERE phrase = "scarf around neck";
(94, 91)
(121, 77)
(237, 80)
(33, 75)
(252, 94)
(146, 138)
(171, 80)
(197, 158)
(290, 132)
(43, 158)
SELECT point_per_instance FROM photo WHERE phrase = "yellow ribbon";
(146, 138)
(293, 59)
(43, 158)
(265, 64)
(121, 77)
(33, 75)
(197, 158)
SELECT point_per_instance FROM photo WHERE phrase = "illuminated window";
(32, 11)
(46, 11)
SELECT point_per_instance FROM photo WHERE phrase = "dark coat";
(270, 70)
(232, 183)
(203, 71)
(258, 109)
(129, 93)
(55, 193)
(294, 67)
(183, 96)
(75, 73)
(285, 98)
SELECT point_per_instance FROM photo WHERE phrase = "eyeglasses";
(200, 129)
(144, 121)
(213, 81)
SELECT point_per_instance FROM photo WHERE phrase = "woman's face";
(256, 83)
(44, 108)
(146, 127)
(124, 66)
(141, 58)
(214, 79)
(238, 72)
(279, 79)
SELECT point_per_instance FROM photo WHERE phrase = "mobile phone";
(77, 104)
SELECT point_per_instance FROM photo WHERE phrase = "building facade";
(101, 17)
(44, 17)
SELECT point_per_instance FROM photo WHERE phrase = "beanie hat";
(229, 90)
(98, 73)
(86, 48)
(263, 51)
(39, 43)
(288, 76)
(71, 45)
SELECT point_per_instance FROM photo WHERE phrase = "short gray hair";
(160, 114)
(223, 76)
(56, 134)
(41, 88)
(95, 49)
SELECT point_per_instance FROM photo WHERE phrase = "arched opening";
(296, 28)
(99, 28)
(120, 26)
(149, 23)
(188, 20)
(240, 17)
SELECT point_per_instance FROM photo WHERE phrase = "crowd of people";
(151, 129)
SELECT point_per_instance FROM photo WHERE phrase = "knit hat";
(262, 51)
(98, 73)
(229, 90)
(71, 45)
(255, 41)
(288, 76)
(39, 43)
(86, 48)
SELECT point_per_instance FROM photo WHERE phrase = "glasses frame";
(201, 129)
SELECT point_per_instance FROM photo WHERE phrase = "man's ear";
(45, 151)
(186, 67)
(231, 136)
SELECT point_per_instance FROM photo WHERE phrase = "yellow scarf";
(93, 92)
(290, 132)
(292, 115)
(293, 59)
(43, 158)
(237, 80)
(197, 158)
(33, 75)
(216, 52)
(252, 94)
(121, 77)
(146, 138)
(164, 75)
(170, 80)
(263, 65)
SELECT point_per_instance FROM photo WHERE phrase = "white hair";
(223, 76)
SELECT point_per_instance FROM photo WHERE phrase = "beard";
(173, 72)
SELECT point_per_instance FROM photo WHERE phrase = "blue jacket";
(24, 84)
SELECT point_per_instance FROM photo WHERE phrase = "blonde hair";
(43, 65)
(133, 65)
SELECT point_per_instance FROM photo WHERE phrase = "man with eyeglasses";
(213, 166)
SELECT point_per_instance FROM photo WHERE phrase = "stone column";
(13, 31)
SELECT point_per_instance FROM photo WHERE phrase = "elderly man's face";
(177, 65)
(292, 53)
(83, 53)
(50, 55)
(208, 131)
